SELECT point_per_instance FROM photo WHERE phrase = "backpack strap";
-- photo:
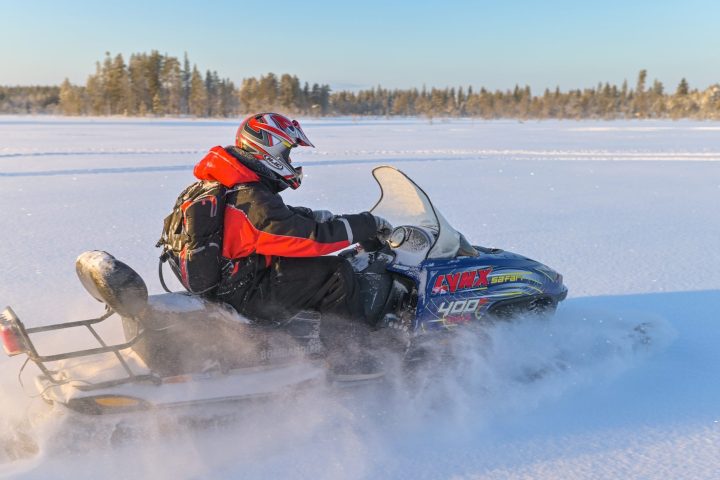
(163, 259)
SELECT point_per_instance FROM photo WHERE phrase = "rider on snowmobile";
(276, 264)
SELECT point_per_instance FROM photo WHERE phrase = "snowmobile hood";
(220, 166)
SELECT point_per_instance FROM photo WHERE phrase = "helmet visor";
(300, 136)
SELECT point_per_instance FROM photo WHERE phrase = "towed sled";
(182, 350)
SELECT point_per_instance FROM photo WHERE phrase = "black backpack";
(192, 237)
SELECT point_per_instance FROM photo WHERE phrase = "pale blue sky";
(495, 44)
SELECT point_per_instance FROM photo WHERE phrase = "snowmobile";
(180, 350)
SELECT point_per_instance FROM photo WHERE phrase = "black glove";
(384, 228)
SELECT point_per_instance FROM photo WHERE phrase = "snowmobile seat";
(112, 282)
(173, 333)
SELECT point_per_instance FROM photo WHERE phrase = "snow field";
(627, 211)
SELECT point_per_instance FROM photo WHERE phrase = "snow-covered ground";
(629, 212)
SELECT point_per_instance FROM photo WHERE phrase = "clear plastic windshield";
(402, 202)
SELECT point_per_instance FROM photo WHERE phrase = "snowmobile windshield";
(402, 202)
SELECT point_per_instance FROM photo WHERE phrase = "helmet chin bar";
(296, 178)
(281, 166)
(297, 170)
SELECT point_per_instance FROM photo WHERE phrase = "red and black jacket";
(258, 223)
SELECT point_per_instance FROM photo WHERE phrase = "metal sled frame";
(29, 349)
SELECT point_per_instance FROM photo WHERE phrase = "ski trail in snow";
(97, 171)
(79, 153)
(389, 158)
(557, 154)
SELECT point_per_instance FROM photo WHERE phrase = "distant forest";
(156, 84)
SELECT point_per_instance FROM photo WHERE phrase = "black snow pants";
(323, 284)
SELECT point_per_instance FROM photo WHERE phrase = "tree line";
(157, 84)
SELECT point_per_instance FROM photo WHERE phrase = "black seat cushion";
(112, 282)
